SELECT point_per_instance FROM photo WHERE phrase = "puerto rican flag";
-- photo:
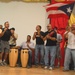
(54, 11)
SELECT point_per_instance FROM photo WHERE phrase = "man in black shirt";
(5, 36)
(50, 37)
(38, 35)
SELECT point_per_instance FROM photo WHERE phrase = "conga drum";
(13, 56)
(24, 57)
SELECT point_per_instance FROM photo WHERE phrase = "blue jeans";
(69, 52)
(58, 51)
(39, 49)
(30, 58)
(52, 51)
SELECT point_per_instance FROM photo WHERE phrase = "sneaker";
(46, 67)
(36, 66)
(42, 66)
(1, 64)
(50, 68)
(29, 67)
(4, 63)
(18, 65)
(65, 70)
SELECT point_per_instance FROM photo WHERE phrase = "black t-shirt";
(39, 40)
(50, 42)
(6, 36)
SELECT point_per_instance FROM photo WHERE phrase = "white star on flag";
(69, 10)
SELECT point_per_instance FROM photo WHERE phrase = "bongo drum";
(24, 57)
(13, 56)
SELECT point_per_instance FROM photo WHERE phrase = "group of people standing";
(8, 39)
(46, 49)
(42, 48)
(47, 45)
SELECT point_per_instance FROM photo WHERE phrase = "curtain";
(60, 23)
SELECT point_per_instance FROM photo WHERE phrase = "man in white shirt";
(68, 28)
(70, 50)
(30, 46)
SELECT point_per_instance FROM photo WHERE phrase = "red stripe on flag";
(52, 8)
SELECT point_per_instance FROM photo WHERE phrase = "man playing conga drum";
(30, 46)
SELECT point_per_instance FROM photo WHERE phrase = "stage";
(6, 70)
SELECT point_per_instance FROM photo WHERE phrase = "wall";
(24, 17)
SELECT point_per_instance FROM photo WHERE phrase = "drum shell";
(13, 56)
(24, 58)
